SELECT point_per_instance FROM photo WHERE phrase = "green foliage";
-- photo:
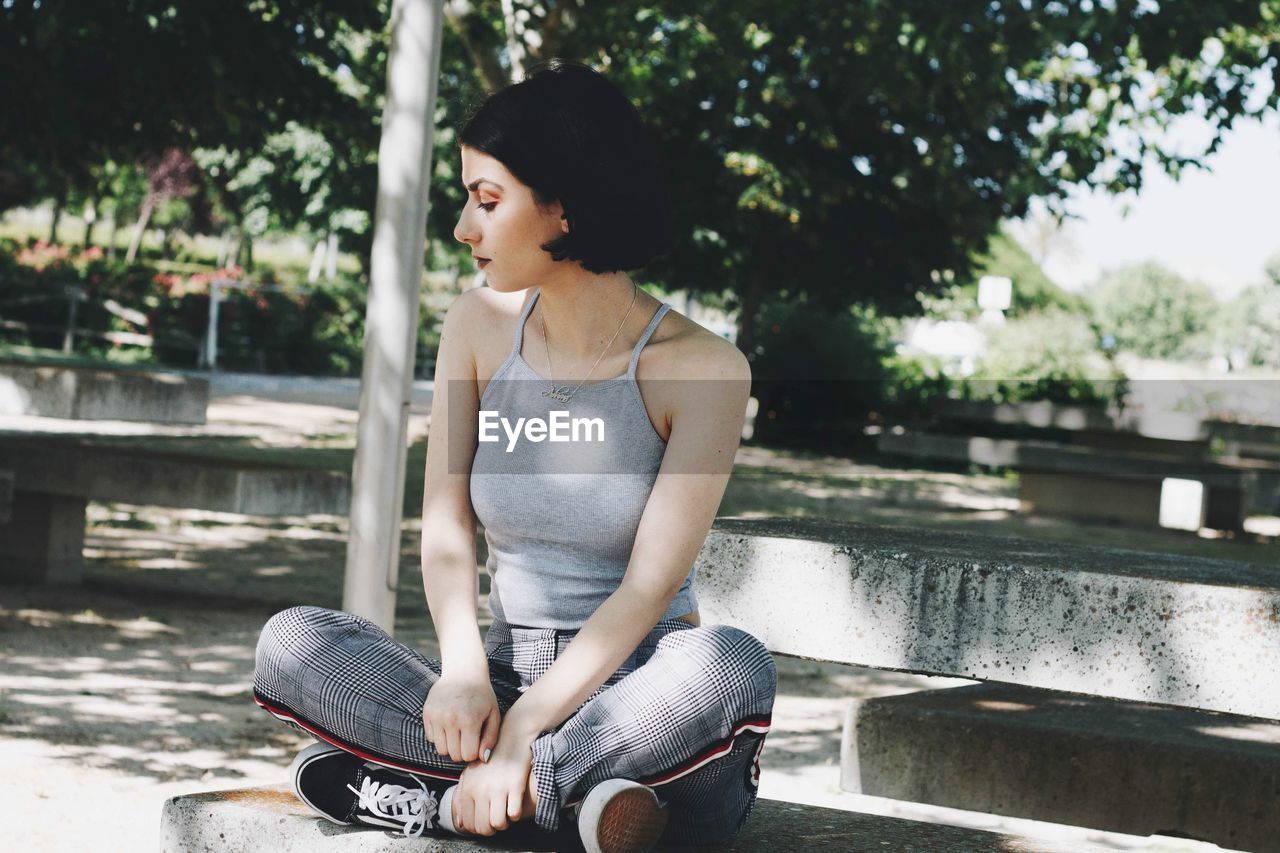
(1033, 291)
(261, 329)
(912, 384)
(817, 372)
(1154, 312)
(1050, 355)
(99, 82)
(851, 153)
(1249, 325)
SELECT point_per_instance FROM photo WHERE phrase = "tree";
(1249, 325)
(851, 151)
(126, 81)
(1154, 312)
(174, 175)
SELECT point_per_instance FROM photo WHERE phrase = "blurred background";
(847, 174)
(984, 257)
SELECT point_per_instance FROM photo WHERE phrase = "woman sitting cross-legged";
(592, 431)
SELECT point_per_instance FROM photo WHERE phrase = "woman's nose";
(463, 232)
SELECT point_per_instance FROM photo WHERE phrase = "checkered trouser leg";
(686, 713)
(689, 720)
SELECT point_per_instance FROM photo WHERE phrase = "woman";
(596, 695)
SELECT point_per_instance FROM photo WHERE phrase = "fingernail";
(487, 753)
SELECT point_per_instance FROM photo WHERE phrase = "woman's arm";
(706, 428)
(449, 577)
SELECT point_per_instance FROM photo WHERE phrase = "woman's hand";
(461, 716)
(491, 795)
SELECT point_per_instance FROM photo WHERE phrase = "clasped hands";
(461, 718)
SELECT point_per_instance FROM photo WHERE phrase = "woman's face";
(501, 222)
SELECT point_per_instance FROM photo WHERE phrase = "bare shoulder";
(484, 320)
(482, 305)
(691, 351)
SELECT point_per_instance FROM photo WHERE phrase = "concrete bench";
(55, 478)
(1248, 441)
(1178, 435)
(1061, 757)
(1158, 433)
(1114, 627)
(1095, 484)
(6, 496)
(245, 819)
(87, 393)
(1133, 692)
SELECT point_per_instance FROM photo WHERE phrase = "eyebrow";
(474, 185)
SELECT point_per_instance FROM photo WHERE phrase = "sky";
(1218, 226)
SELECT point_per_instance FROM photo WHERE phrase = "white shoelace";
(397, 805)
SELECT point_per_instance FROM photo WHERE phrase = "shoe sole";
(631, 821)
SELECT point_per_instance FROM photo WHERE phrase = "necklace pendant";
(562, 393)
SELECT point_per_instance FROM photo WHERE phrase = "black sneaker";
(346, 789)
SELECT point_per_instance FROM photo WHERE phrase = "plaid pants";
(687, 713)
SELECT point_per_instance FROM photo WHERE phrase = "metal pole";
(211, 335)
(69, 334)
(391, 319)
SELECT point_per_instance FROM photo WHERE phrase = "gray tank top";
(560, 516)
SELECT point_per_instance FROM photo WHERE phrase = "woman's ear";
(564, 223)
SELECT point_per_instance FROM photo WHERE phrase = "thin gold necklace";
(561, 393)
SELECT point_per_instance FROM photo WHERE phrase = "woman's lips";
(482, 262)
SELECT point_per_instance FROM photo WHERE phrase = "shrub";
(819, 374)
(1154, 312)
(1250, 326)
(1052, 355)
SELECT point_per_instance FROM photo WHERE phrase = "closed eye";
(487, 206)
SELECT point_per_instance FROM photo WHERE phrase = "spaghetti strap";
(644, 338)
(524, 316)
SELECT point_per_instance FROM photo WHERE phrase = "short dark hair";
(571, 135)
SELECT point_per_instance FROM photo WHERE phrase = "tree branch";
(462, 16)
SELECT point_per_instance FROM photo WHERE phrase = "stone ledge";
(86, 393)
(1045, 755)
(1160, 628)
(272, 818)
(76, 467)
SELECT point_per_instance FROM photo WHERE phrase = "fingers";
(480, 818)
(470, 741)
(463, 809)
(515, 804)
(453, 745)
(498, 812)
(489, 732)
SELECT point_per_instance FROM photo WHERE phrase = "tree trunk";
(752, 296)
(57, 217)
(470, 29)
(143, 218)
(224, 247)
(89, 220)
(111, 240)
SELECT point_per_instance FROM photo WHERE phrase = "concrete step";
(1061, 757)
(1112, 622)
(272, 818)
(80, 467)
(86, 393)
